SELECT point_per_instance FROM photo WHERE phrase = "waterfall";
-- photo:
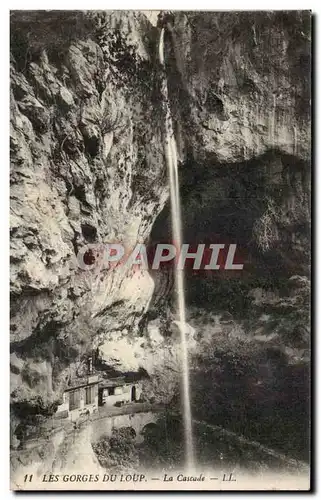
(170, 150)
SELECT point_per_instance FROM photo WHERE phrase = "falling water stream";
(171, 161)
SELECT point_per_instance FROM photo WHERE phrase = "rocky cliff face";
(243, 82)
(88, 168)
(240, 93)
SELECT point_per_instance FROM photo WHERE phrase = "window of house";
(111, 391)
(90, 395)
(74, 400)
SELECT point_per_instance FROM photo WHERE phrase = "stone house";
(81, 398)
(118, 391)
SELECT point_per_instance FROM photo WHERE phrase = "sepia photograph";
(160, 239)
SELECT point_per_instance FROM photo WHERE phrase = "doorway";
(133, 398)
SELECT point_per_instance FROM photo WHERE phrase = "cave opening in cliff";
(231, 203)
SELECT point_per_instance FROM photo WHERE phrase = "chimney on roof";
(90, 365)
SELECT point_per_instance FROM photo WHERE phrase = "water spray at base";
(171, 161)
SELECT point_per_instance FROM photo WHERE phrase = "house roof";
(78, 383)
(115, 382)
